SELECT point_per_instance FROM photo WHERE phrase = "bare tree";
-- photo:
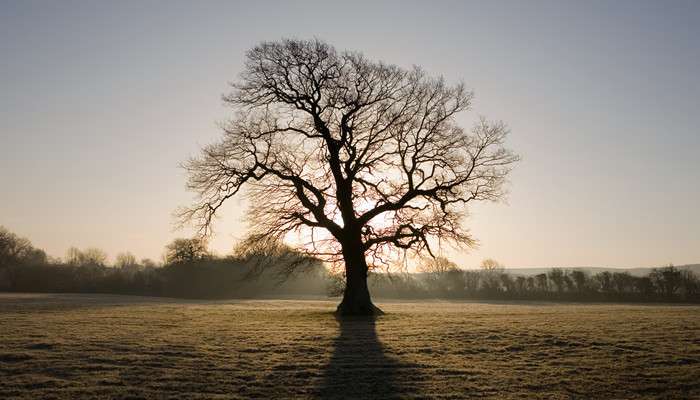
(437, 266)
(185, 250)
(18, 250)
(490, 264)
(580, 279)
(125, 261)
(360, 158)
(556, 276)
(491, 273)
(90, 256)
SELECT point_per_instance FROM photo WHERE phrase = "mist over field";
(190, 271)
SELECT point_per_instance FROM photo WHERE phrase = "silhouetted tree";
(644, 286)
(690, 285)
(15, 250)
(489, 264)
(541, 283)
(89, 257)
(521, 286)
(668, 280)
(556, 276)
(125, 261)
(580, 280)
(603, 281)
(472, 282)
(622, 282)
(491, 275)
(507, 283)
(437, 266)
(359, 157)
(531, 284)
(441, 273)
(186, 250)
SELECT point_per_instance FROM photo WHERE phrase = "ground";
(97, 346)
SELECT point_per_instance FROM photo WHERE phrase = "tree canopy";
(360, 157)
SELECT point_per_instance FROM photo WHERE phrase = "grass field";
(95, 346)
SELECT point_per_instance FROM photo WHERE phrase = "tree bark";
(356, 298)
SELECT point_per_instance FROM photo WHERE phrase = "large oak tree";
(362, 158)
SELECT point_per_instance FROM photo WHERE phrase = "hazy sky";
(100, 102)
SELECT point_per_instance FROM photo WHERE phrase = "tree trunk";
(356, 298)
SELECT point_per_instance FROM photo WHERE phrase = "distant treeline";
(190, 271)
(667, 284)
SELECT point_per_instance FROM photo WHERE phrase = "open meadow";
(99, 346)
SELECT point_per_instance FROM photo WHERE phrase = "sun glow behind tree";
(362, 160)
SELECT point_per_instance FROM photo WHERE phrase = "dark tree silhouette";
(18, 250)
(186, 250)
(358, 157)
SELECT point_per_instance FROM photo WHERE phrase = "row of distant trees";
(442, 278)
(189, 270)
(16, 250)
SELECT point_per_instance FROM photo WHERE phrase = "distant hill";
(593, 270)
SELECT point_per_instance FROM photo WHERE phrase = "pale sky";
(101, 100)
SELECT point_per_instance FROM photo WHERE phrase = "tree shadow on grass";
(359, 367)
